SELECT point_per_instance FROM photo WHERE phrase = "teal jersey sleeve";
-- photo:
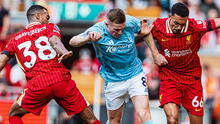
(95, 28)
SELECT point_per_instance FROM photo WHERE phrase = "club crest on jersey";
(188, 39)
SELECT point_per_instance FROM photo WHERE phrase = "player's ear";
(37, 16)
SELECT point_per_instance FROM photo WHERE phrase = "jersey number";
(196, 103)
(26, 45)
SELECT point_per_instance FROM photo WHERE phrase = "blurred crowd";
(12, 79)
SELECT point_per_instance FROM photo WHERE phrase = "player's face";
(115, 29)
(44, 17)
(177, 23)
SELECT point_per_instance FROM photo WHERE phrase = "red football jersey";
(36, 56)
(181, 49)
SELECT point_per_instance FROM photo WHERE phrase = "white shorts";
(118, 93)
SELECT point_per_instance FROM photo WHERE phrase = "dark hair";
(180, 9)
(116, 15)
(33, 9)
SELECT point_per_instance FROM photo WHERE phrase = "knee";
(114, 120)
(172, 120)
(144, 115)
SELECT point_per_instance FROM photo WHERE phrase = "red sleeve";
(204, 25)
(211, 25)
(155, 28)
(53, 30)
(9, 50)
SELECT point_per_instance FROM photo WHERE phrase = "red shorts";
(189, 95)
(65, 93)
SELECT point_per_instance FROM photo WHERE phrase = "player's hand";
(145, 28)
(94, 36)
(65, 56)
(160, 60)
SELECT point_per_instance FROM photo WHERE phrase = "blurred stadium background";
(73, 17)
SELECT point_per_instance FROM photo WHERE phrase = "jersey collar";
(168, 28)
(32, 24)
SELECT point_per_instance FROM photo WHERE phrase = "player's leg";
(193, 102)
(88, 116)
(170, 99)
(139, 96)
(141, 105)
(114, 116)
(28, 101)
(195, 119)
(72, 101)
(116, 95)
(16, 113)
(172, 112)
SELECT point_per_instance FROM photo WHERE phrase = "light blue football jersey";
(118, 56)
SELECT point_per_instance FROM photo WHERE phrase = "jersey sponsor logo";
(164, 39)
(111, 49)
(177, 53)
(167, 52)
(119, 48)
(181, 53)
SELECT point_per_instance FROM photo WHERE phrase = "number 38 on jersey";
(43, 45)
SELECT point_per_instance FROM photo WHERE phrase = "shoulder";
(18, 35)
(197, 25)
(53, 26)
(132, 23)
(194, 22)
(99, 27)
(160, 23)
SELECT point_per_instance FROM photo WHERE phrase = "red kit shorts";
(65, 93)
(189, 95)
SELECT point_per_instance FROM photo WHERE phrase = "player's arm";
(159, 59)
(6, 24)
(3, 61)
(145, 29)
(146, 32)
(79, 40)
(59, 47)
